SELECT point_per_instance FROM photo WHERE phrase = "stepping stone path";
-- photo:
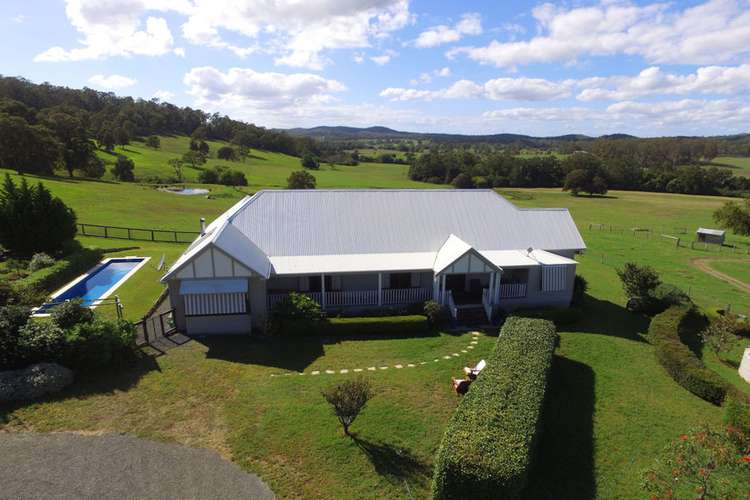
(474, 341)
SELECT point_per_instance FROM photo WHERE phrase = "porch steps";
(471, 315)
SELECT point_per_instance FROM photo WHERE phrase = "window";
(400, 280)
(515, 276)
(315, 282)
(214, 304)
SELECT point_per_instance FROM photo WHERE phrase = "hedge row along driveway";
(490, 441)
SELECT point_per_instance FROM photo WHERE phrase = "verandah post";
(323, 291)
(380, 289)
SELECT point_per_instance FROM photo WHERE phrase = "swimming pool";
(97, 284)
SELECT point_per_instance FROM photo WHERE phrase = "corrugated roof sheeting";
(340, 222)
(713, 232)
(550, 259)
(352, 263)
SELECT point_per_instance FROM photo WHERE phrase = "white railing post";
(380, 289)
(442, 291)
(323, 291)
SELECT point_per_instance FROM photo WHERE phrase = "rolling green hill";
(263, 169)
(740, 165)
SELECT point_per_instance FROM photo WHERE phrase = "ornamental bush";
(298, 310)
(95, 344)
(40, 260)
(437, 314)
(12, 319)
(490, 441)
(665, 332)
(41, 341)
(71, 313)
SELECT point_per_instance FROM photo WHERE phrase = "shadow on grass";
(565, 458)
(290, 352)
(396, 464)
(117, 377)
(607, 318)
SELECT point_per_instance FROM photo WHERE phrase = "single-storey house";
(365, 249)
(715, 236)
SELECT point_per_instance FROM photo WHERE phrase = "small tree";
(702, 464)
(300, 180)
(153, 141)
(176, 165)
(348, 399)
(194, 158)
(311, 161)
(638, 281)
(123, 169)
(226, 153)
(462, 181)
(722, 333)
(233, 178)
(209, 176)
(586, 181)
(735, 216)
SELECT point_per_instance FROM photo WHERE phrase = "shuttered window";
(554, 278)
(210, 304)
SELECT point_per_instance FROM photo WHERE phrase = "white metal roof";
(550, 259)
(342, 222)
(197, 286)
(352, 263)
(713, 232)
(314, 231)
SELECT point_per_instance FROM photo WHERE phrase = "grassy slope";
(264, 169)
(740, 165)
(739, 269)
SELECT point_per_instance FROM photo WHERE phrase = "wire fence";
(133, 233)
(679, 237)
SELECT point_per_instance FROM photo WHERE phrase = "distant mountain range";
(354, 133)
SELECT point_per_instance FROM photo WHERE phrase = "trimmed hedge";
(490, 441)
(665, 332)
(50, 278)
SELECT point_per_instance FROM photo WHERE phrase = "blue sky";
(462, 67)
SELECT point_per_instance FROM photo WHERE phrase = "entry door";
(455, 282)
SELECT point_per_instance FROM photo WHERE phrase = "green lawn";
(740, 165)
(611, 406)
(739, 268)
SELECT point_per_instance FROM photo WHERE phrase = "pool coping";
(88, 273)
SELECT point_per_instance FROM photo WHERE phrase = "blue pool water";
(93, 286)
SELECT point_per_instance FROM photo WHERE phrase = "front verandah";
(354, 289)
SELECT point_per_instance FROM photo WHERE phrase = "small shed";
(715, 236)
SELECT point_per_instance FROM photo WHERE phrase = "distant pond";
(184, 191)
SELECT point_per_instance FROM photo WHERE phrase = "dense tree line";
(583, 169)
(43, 127)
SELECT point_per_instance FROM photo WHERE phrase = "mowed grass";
(611, 406)
(740, 165)
(263, 169)
(738, 269)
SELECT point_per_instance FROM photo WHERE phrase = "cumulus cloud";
(114, 29)
(720, 80)
(715, 31)
(19, 19)
(243, 88)
(297, 33)
(499, 89)
(469, 24)
(112, 82)
(383, 59)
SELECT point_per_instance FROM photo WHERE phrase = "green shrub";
(295, 314)
(95, 344)
(737, 411)
(12, 319)
(490, 441)
(40, 260)
(580, 287)
(71, 313)
(559, 316)
(41, 341)
(437, 314)
(232, 178)
(65, 269)
(666, 332)
(348, 399)
(638, 281)
(123, 169)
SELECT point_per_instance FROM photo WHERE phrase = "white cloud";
(469, 24)
(444, 72)
(297, 33)
(163, 95)
(19, 19)
(112, 82)
(715, 31)
(384, 58)
(720, 80)
(114, 28)
(499, 89)
(242, 88)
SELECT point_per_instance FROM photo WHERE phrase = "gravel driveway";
(66, 465)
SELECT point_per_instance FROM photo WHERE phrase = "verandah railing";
(512, 290)
(390, 296)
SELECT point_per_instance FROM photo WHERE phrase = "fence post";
(152, 235)
(105, 232)
(161, 323)
(129, 234)
(175, 236)
(144, 321)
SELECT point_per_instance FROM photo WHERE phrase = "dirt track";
(704, 265)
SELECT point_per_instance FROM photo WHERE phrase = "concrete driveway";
(66, 465)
